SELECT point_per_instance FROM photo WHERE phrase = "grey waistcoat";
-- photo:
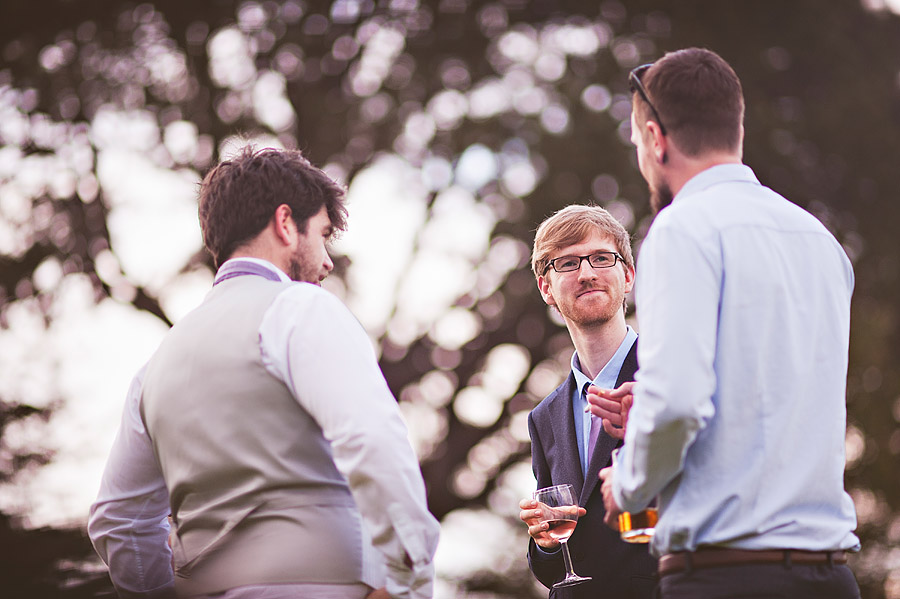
(254, 492)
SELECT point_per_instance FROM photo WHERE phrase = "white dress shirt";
(327, 362)
(738, 423)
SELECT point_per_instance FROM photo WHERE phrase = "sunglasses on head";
(634, 80)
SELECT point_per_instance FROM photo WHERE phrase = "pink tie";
(596, 425)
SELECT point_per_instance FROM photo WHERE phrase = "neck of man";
(263, 249)
(597, 343)
(683, 168)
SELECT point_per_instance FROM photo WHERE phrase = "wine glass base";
(571, 581)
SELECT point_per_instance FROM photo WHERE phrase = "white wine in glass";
(559, 510)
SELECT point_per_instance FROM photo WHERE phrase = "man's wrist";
(550, 550)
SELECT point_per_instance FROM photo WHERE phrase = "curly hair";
(238, 197)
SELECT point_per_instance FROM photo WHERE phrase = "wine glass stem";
(567, 558)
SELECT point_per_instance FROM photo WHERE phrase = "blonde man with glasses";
(584, 267)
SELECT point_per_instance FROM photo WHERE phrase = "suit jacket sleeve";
(547, 567)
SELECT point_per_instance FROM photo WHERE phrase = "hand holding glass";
(636, 527)
(559, 509)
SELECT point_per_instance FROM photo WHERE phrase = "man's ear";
(659, 142)
(629, 278)
(285, 227)
(546, 292)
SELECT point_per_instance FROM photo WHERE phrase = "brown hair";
(699, 99)
(574, 224)
(239, 196)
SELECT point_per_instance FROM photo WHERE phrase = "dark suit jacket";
(619, 570)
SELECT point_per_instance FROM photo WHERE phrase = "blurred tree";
(483, 118)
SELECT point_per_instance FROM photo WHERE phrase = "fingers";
(612, 521)
(616, 432)
(608, 402)
(569, 509)
(532, 518)
(611, 518)
(540, 535)
(617, 393)
(612, 406)
(529, 512)
(613, 414)
(626, 388)
(627, 402)
(606, 409)
(538, 530)
(529, 516)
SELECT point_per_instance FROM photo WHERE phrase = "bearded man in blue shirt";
(743, 306)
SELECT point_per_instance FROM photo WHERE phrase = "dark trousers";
(762, 581)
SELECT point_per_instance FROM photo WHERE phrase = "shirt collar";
(714, 175)
(259, 261)
(610, 372)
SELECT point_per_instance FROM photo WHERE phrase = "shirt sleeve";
(312, 342)
(677, 297)
(128, 523)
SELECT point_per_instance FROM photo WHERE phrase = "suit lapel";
(629, 366)
(605, 443)
(562, 423)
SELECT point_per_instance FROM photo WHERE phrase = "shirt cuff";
(548, 551)
(164, 592)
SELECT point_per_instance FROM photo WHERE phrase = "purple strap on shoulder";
(240, 268)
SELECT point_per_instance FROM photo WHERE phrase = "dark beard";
(295, 270)
(298, 270)
(660, 197)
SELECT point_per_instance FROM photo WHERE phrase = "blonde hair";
(572, 225)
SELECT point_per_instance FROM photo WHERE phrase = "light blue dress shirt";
(605, 379)
(738, 423)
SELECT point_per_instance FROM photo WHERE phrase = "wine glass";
(560, 511)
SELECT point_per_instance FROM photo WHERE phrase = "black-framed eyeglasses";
(596, 260)
(634, 80)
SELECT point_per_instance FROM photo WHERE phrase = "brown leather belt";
(711, 557)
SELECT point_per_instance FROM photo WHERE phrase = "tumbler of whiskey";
(636, 527)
